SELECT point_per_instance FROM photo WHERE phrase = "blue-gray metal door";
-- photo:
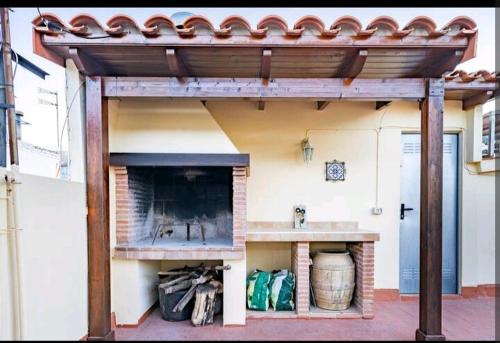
(409, 241)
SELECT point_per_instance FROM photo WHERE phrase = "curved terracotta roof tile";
(239, 21)
(194, 20)
(235, 20)
(275, 20)
(82, 22)
(317, 24)
(347, 20)
(480, 75)
(391, 24)
(463, 21)
(198, 20)
(85, 20)
(386, 21)
(119, 22)
(423, 22)
(153, 24)
(310, 20)
(37, 21)
(157, 20)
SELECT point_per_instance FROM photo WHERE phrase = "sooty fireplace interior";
(178, 205)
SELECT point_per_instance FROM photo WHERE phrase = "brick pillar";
(123, 234)
(363, 256)
(239, 207)
(300, 267)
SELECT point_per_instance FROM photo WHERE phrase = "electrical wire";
(66, 119)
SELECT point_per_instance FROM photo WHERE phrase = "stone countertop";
(314, 233)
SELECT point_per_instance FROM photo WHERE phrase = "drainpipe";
(14, 238)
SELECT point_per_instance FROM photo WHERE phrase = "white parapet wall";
(51, 227)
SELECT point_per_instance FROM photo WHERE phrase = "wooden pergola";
(309, 62)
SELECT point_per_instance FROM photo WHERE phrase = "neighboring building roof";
(481, 75)
(23, 62)
(309, 48)
(472, 88)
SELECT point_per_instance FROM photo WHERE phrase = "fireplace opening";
(182, 206)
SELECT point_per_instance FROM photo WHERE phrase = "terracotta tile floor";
(463, 319)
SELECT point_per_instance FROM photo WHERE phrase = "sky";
(42, 118)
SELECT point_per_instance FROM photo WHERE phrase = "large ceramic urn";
(332, 279)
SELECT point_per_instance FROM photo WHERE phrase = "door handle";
(402, 211)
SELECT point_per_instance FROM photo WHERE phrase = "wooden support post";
(98, 213)
(262, 105)
(431, 210)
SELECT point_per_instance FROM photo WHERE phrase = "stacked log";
(202, 282)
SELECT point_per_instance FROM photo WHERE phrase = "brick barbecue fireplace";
(173, 207)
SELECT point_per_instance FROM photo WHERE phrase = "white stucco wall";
(53, 258)
(75, 105)
(280, 179)
(167, 126)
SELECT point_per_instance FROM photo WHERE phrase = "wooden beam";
(381, 104)
(431, 212)
(262, 105)
(265, 67)
(473, 85)
(353, 64)
(321, 105)
(475, 100)
(85, 64)
(99, 301)
(175, 65)
(180, 159)
(252, 88)
(175, 41)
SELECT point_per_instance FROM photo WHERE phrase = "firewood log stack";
(202, 282)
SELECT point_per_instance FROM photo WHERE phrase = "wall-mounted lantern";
(307, 150)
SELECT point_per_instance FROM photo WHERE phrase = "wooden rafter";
(475, 100)
(438, 63)
(175, 65)
(353, 64)
(83, 63)
(265, 69)
(253, 89)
